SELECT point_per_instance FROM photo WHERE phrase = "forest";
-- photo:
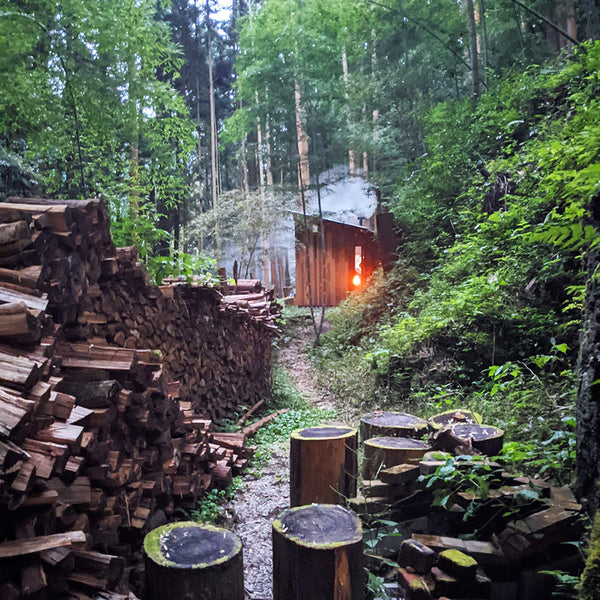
(200, 124)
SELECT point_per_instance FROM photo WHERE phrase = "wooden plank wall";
(340, 242)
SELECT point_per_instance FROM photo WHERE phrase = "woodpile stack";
(96, 445)
(217, 347)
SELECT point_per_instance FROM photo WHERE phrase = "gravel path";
(263, 497)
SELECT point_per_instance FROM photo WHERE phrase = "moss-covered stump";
(454, 416)
(393, 424)
(484, 438)
(193, 561)
(384, 452)
(323, 465)
(590, 579)
(318, 554)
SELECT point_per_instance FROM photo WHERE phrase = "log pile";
(522, 526)
(217, 347)
(97, 445)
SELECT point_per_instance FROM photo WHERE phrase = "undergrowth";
(300, 413)
(211, 506)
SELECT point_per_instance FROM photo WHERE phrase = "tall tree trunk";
(302, 136)
(134, 134)
(307, 253)
(268, 149)
(244, 166)
(571, 20)
(213, 135)
(588, 392)
(351, 153)
(484, 44)
(591, 19)
(261, 179)
(473, 48)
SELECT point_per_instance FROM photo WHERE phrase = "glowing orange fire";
(356, 280)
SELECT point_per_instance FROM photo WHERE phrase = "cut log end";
(485, 438)
(388, 442)
(453, 416)
(384, 452)
(191, 545)
(397, 424)
(323, 433)
(319, 526)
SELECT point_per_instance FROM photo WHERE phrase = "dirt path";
(263, 497)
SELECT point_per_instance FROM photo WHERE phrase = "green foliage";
(375, 588)
(462, 475)
(278, 431)
(211, 505)
(284, 393)
(199, 269)
(88, 105)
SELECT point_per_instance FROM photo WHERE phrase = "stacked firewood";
(217, 348)
(95, 445)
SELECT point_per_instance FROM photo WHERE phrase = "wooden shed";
(351, 255)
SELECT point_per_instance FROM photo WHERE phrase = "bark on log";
(193, 561)
(393, 424)
(323, 465)
(385, 452)
(318, 554)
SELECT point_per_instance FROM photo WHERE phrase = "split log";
(384, 452)
(39, 544)
(32, 302)
(194, 561)
(323, 465)
(13, 232)
(18, 324)
(318, 554)
(92, 394)
(392, 424)
(485, 553)
(96, 570)
(19, 372)
(13, 409)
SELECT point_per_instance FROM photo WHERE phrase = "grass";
(299, 414)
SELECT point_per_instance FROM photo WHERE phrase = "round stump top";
(394, 419)
(319, 526)
(455, 416)
(475, 432)
(191, 545)
(397, 442)
(324, 432)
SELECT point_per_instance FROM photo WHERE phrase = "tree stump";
(485, 438)
(450, 417)
(318, 554)
(193, 561)
(323, 465)
(385, 452)
(393, 424)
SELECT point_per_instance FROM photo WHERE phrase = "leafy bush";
(211, 505)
